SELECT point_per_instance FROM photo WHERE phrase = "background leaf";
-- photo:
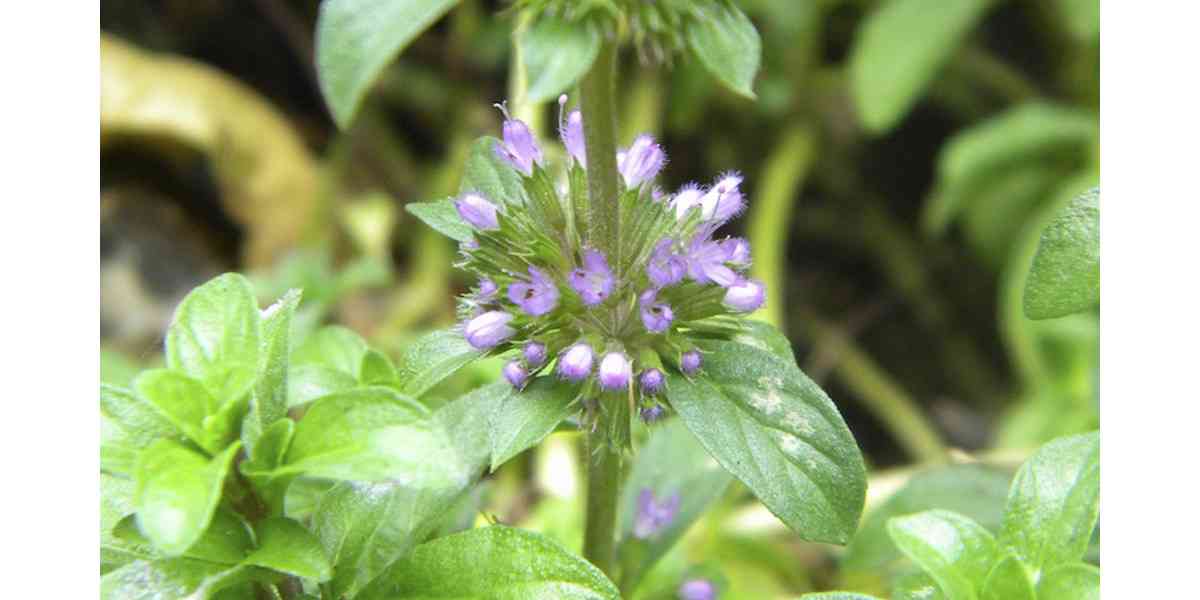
(1065, 277)
(954, 550)
(523, 419)
(727, 44)
(286, 546)
(177, 491)
(442, 217)
(1008, 580)
(900, 49)
(557, 53)
(332, 347)
(777, 432)
(356, 39)
(431, 359)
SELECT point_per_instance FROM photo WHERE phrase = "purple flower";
(656, 316)
(724, 200)
(487, 290)
(489, 329)
(650, 414)
(688, 196)
(593, 282)
(653, 516)
(519, 147)
(535, 354)
(572, 137)
(516, 373)
(665, 267)
(641, 162)
(536, 297)
(653, 381)
(478, 211)
(737, 251)
(697, 589)
(690, 362)
(745, 295)
(615, 371)
(576, 363)
(706, 263)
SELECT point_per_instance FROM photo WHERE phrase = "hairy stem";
(598, 104)
(603, 485)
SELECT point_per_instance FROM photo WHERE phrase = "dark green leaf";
(226, 540)
(557, 53)
(523, 419)
(1008, 580)
(332, 347)
(286, 546)
(491, 176)
(493, 563)
(776, 431)
(268, 403)
(309, 382)
(431, 359)
(1065, 277)
(128, 424)
(1054, 503)
(356, 39)
(726, 43)
(215, 334)
(954, 550)
(377, 369)
(900, 49)
(169, 579)
(671, 462)
(176, 493)
(1070, 582)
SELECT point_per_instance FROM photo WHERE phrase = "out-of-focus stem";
(598, 105)
(603, 486)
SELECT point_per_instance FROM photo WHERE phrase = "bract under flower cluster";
(615, 320)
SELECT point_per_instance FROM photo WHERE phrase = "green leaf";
(488, 174)
(671, 462)
(1070, 582)
(170, 579)
(1054, 503)
(309, 382)
(557, 53)
(493, 563)
(765, 336)
(176, 492)
(267, 456)
(1082, 17)
(1008, 580)
(770, 426)
(332, 347)
(432, 358)
(900, 49)
(268, 403)
(442, 217)
(377, 369)
(116, 503)
(226, 540)
(726, 43)
(128, 423)
(837, 596)
(954, 550)
(917, 586)
(523, 419)
(356, 39)
(214, 336)
(183, 401)
(1065, 277)
(286, 546)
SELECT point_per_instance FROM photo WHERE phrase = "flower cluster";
(607, 318)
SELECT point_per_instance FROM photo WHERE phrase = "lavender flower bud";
(737, 251)
(706, 263)
(687, 197)
(641, 162)
(724, 201)
(652, 516)
(516, 373)
(745, 295)
(615, 371)
(690, 362)
(519, 148)
(697, 589)
(656, 316)
(593, 282)
(651, 414)
(653, 381)
(572, 137)
(576, 363)
(488, 330)
(535, 354)
(665, 268)
(478, 211)
(537, 296)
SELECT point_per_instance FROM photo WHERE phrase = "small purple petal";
(697, 589)
(706, 263)
(737, 251)
(488, 330)
(656, 316)
(594, 281)
(745, 295)
(687, 197)
(519, 147)
(572, 137)
(665, 268)
(535, 354)
(575, 364)
(537, 296)
(724, 200)
(641, 162)
(615, 371)
(477, 211)
(486, 291)
(516, 373)
(652, 381)
(653, 516)
(690, 362)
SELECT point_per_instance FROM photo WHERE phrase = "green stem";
(603, 484)
(598, 104)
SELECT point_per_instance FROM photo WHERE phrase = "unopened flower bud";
(516, 373)
(615, 371)
(535, 354)
(519, 147)
(488, 330)
(652, 381)
(745, 295)
(576, 363)
(690, 362)
(642, 161)
(477, 211)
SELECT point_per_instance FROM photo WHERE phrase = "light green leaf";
(183, 401)
(128, 424)
(557, 53)
(215, 334)
(523, 419)
(493, 563)
(442, 217)
(954, 550)
(309, 382)
(491, 176)
(917, 586)
(356, 39)
(226, 541)
(837, 596)
(1070, 582)
(268, 403)
(770, 426)
(1008, 580)
(377, 369)
(900, 49)
(1054, 503)
(727, 44)
(116, 503)
(176, 492)
(267, 456)
(432, 358)
(672, 462)
(286, 546)
(332, 347)
(1065, 277)
(170, 579)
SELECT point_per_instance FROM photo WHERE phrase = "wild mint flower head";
(615, 316)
